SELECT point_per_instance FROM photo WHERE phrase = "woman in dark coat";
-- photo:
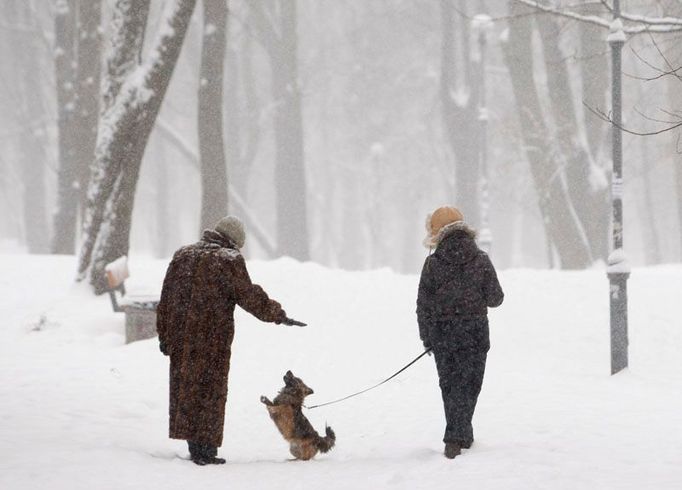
(195, 321)
(458, 283)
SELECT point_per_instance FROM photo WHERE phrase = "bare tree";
(89, 29)
(214, 201)
(132, 96)
(459, 95)
(77, 71)
(563, 228)
(65, 217)
(585, 181)
(30, 110)
(594, 75)
(275, 24)
(243, 110)
(634, 25)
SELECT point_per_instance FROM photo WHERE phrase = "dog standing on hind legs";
(285, 410)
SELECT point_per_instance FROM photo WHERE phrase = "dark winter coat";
(195, 321)
(457, 286)
(458, 282)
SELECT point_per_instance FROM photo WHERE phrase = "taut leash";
(372, 387)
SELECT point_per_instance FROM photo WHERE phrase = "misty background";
(343, 124)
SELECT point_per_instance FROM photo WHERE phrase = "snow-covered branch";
(643, 19)
(644, 24)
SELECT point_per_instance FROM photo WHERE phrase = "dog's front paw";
(264, 399)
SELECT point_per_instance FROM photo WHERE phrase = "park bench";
(140, 312)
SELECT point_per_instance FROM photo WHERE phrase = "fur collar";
(432, 241)
(217, 238)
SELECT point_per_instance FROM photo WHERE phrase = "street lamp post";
(618, 269)
(481, 24)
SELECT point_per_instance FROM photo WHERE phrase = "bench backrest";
(117, 272)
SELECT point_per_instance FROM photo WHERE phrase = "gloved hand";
(164, 348)
(291, 322)
(427, 347)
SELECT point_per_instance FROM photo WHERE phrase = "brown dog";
(285, 411)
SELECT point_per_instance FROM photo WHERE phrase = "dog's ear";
(288, 376)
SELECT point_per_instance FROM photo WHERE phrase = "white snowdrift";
(81, 410)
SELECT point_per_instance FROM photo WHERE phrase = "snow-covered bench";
(140, 312)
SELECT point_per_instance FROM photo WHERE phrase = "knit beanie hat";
(232, 228)
(439, 219)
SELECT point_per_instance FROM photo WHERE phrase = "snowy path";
(80, 410)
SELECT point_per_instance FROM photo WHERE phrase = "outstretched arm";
(252, 298)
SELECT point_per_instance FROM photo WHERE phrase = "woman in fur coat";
(195, 320)
(458, 283)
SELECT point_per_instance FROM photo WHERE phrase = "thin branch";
(661, 73)
(647, 79)
(663, 56)
(653, 119)
(604, 117)
(676, 115)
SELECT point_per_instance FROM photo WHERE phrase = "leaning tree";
(132, 93)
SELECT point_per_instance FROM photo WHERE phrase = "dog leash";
(372, 387)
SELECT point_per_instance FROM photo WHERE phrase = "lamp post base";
(619, 320)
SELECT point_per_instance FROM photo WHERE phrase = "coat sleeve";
(423, 301)
(252, 298)
(491, 288)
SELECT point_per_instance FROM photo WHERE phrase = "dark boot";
(210, 455)
(452, 449)
(202, 454)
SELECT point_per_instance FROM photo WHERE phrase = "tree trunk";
(243, 125)
(279, 38)
(243, 135)
(586, 184)
(290, 180)
(129, 19)
(214, 200)
(123, 133)
(32, 139)
(128, 24)
(594, 74)
(88, 86)
(233, 121)
(163, 225)
(65, 217)
(459, 106)
(559, 218)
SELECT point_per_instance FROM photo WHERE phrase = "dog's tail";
(324, 444)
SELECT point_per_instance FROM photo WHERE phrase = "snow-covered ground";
(79, 409)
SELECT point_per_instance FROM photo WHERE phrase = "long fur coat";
(195, 321)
